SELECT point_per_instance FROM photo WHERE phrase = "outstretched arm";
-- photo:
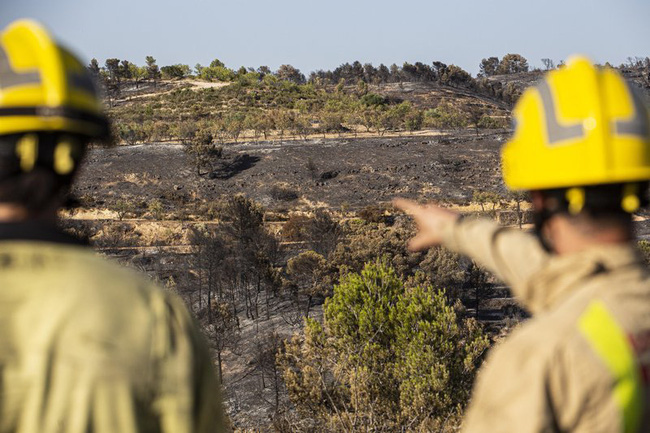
(511, 254)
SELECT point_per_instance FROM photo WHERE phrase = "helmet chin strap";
(540, 218)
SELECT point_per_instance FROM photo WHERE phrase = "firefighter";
(581, 146)
(85, 345)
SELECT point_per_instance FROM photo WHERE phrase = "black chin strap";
(539, 219)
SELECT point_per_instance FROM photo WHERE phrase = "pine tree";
(388, 357)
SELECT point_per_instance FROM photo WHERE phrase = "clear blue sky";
(321, 35)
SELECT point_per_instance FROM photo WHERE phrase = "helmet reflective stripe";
(556, 131)
(44, 87)
(638, 125)
(11, 78)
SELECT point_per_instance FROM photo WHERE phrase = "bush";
(130, 133)
(294, 228)
(283, 193)
(156, 209)
(389, 356)
(489, 122)
(123, 208)
(445, 115)
(373, 100)
(373, 214)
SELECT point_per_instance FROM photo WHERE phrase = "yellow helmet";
(43, 87)
(581, 125)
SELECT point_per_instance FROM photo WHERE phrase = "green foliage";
(307, 273)
(484, 197)
(369, 242)
(186, 131)
(156, 209)
(512, 64)
(445, 115)
(203, 150)
(373, 100)
(131, 133)
(489, 66)
(455, 76)
(217, 73)
(153, 72)
(216, 63)
(387, 357)
(175, 71)
(289, 73)
(491, 122)
(414, 120)
(122, 208)
(263, 104)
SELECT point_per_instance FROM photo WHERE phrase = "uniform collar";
(35, 231)
(566, 273)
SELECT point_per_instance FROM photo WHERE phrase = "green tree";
(156, 209)
(518, 197)
(122, 208)
(388, 357)
(289, 73)
(489, 66)
(217, 73)
(455, 76)
(202, 148)
(175, 71)
(414, 120)
(93, 67)
(306, 273)
(138, 73)
(512, 64)
(153, 72)
(113, 68)
(475, 115)
(125, 70)
(216, 63)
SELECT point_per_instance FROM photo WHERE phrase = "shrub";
(155, 208)
(283, 193)
(388, 356)
(373, 214)
(373, 100)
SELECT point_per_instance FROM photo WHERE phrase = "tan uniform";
(87, 346)
(580, 365)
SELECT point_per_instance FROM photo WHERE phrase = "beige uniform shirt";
(580, 364)
(87, 346)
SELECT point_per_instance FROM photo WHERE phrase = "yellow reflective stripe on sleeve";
(611, 344)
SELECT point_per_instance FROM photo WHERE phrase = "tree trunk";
(308, 306)
(219, 367)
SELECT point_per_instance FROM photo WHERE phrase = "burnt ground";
(347, 173)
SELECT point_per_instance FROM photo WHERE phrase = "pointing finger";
(408, 206)
(419, 243)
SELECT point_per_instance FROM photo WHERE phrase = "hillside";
(252, 198)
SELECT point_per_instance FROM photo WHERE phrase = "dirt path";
(196, 84)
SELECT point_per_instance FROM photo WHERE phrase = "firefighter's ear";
(537, 198)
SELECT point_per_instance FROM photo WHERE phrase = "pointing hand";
(430, 220)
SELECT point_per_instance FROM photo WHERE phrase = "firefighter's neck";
(566, 238)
